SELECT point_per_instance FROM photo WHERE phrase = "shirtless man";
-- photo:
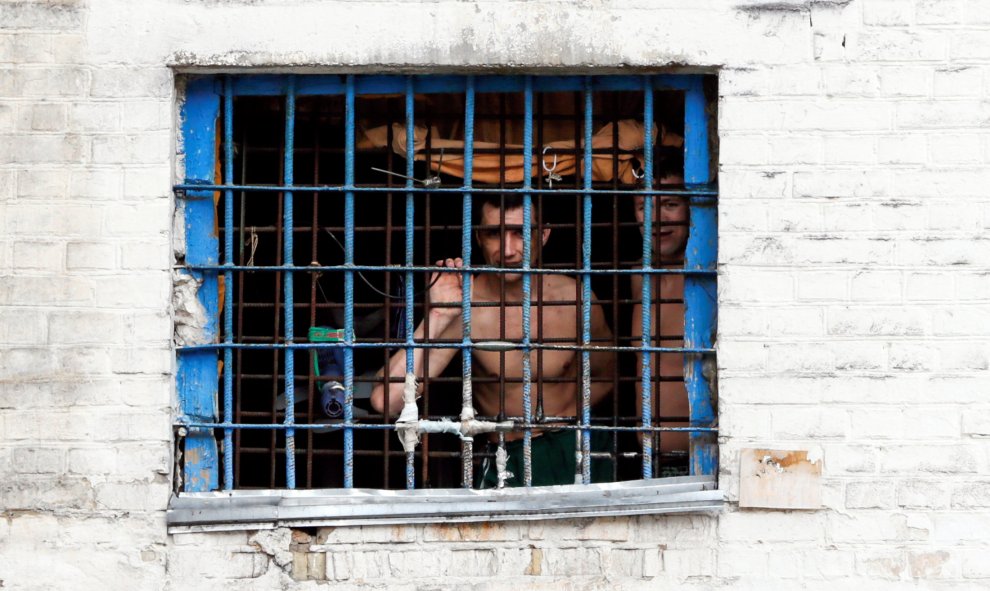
(553, 451)
(670, 398)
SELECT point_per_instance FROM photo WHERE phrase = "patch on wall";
(780, 479)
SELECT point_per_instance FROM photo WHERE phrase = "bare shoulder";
(558, 287)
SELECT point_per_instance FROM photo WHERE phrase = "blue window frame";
(206, 374)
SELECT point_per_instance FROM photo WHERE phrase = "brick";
(847, 81)
(23, 327)
(877, 286)
(132, 149)
(874, 494)
(888, 12)
(68, 48)
(876, 321)
(902, 149)
(850, 150)
(943, 114)
(851, 459)
(877, 526)
(954, 528)
(84, 327)
(757, 526)
(972, 495)
(94, 116)
(39, 256)
(145, 115)
(479, 563)
(146, 256)
(960, 321)
(734, 149)
(745, 285)
(49, 16)
(37, 460)
(939, 12)
(96, 184)
(896, 45)
(46, 149)
(956, 149)
(146, 183)
(923, 494)
(90, 255)
(571, 562)
(823, 286)
(795, 150)
(92, 462)
(931, 459)
(905, 81)
(47, 117)
(841, 184)
(132, 82)
(809, 423)
(930, 286)
(958, 82)
(139, 220)
(44, 184)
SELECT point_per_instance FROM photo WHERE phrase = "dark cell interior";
(379, 239)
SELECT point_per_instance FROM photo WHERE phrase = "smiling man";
(670, 235)
(554, 315)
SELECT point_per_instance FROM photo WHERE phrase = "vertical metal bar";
(228, 283)
(313, 387)
(410, 230)
(238, 437)
(349, 127)
(289, 296)
(196, 376)
(586, 286)
(467, 402)
(646, 305)
(699, 291)
(527, 370)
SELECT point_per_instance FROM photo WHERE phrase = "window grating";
(286, 210)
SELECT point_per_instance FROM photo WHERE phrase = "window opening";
(335, 243)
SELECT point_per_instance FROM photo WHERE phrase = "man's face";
(671, 234)
(505, 249)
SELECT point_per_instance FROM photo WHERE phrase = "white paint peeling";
(188, 312)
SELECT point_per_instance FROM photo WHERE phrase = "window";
(309, 285)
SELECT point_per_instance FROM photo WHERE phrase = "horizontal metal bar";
(234, 510)
(706, 190)
(433, 345)
(422, 269)
(334, 84)
(391, 427)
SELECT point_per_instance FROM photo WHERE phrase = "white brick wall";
(854, 289)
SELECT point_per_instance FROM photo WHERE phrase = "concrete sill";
(266, 509)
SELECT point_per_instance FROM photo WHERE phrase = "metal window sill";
(266, 509)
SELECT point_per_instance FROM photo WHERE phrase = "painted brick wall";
(854, 288)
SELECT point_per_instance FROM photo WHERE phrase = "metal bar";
(418, 269)
(287, 287)
(410, 219)
(487, 345)
(240, 313)
(349, 131)
(699, 189)
(196, 377)
(228, 283)
(586, 286)
(390, 426)
(646, 305)
(699, 293)
(467, 402)
(527, 370)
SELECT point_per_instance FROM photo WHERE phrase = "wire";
(368, 283)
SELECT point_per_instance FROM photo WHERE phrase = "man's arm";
(444, 323)
(602, 362)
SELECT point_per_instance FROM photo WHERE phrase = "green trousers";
(553, 455)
